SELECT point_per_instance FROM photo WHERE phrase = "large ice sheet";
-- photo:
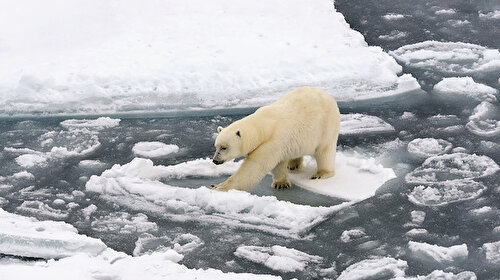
(115, 265)
(180, 55)
(355, 178)
(28, 237)
(133, 185)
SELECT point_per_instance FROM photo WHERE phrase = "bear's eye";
(223, 148)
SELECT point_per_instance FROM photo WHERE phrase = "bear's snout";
(218, 162)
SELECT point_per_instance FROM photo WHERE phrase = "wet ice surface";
(438, 219)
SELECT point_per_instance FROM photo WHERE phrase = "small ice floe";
(88, 211)
(136, 185)
(352, 234)
(441, 275)
(277, 258)
(355, 124)
(375, 268)
(355, 178)
(124, 223)
(41, 210)
(444, 120)
(92, 164)
(31, 160)
(393, 16)
(438, 255)
(408, 116)
(446, 192)
(184, 243)
(394, 35)
(417, 218)
(489, 15)
(422, 148)
(23, 175)
(465, 87)
(451, 167)
(492, 252)
(450, 58)
(28, 237)
(445, 12)
(154, 149)
(187, 242)
(485, 120)
(417, 232)
(97, 124)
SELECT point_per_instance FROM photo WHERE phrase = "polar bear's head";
(228, 144)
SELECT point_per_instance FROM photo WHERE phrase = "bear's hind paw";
(282, 184)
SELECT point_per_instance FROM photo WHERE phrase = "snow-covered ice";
(485, 120)
(444, 193)
(28, 237)
(375, 268)
(41, 209)
(126, 61)
(438, 255)
(100, 123)
(352, 234)
(355, 178)
(135, 185)
(277, 257)
(492, 252)
(450, 58)
(123, 223)
(422, 148)
(354, 124)
(452, 167)
(154, 149)
(466, 87)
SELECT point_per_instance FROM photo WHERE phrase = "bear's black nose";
(217, 162)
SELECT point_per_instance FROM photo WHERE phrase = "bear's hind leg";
(295, 164)
(325, 159)
(280, 176)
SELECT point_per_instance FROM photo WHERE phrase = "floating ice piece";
(441, 275)
(449, 58)
(484, 120)
(250, 62)
(115, 265)
(41, 210)
(492, 251)
(352, 234)
(31, 160)
(277, 258)
(423, 148)
(417, 218)
(393, 16)
(445, 12)
(72, 143)
(100, 123)
(467, 87)
(123, 223)
(131, 185)
(439, 255)
(444, 120)
(187, 242)
(354, 124)
(28, 237)
(444, 193)
(23, 175)
(489, 15)
(88, 163)
(451, 167)
(355, 179)
(380, 267)
(154, 149)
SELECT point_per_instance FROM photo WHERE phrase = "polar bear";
(305, 121)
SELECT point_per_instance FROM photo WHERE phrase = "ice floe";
(116, 265)
(441, 275)
(31, 160)
(131, 62)
(187, 242)
(422, 148)
(100, 123)
(355, 178)
(444, 193)
(353, 124)
(41, 210)
(124, 223)
(485, 120)
(492, 252)
(438, 255)
(28, 237)
(375, 268)
(451, 167)
(154, 149)
(352, 234)
(489, 15)
(133, 185)
(466, 87)
(277, 257)
(450, 58)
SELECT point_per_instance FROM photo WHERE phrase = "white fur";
(305, 121)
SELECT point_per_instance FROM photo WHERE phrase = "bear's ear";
(238, 133)
(219, 129)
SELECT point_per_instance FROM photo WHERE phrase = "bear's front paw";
(322, 174)
(282, 184)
